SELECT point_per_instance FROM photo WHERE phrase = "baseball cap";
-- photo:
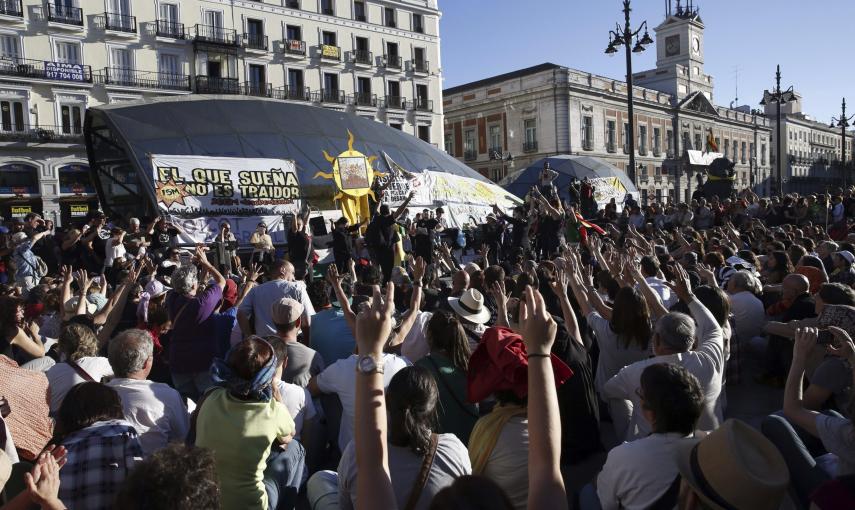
(286, 311)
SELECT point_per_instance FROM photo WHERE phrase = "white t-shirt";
(450, 462)
(113, 252)
(415, 345)
(508, 463)
(613, 354)
(669, 297)
(61, 377)
(299, 403)
(638, 473)
(155, 410)
(838, 437)
(340, 378)
(749, 315)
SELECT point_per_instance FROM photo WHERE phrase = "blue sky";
(482, 38)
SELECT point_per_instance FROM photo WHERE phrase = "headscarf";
(260, 388)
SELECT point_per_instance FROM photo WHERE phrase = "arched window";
(19, 179)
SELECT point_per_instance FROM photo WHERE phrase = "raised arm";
(657, 309)
(559, 288)
(403, 206)
(415, 303)
(546, 485)
(334, 280)
(202, 261)
(794, 408)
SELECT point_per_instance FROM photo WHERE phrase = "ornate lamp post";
(778, 97)
(842, 122)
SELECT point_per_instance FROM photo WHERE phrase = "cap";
(155, 288)
(844, 254)
(286, 311)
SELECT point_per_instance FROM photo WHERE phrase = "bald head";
(282, 270)
(459, 283)
(795, 285)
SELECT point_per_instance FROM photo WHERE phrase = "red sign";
(19, 190)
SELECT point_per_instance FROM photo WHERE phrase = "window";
(255, 30)
(418, 23)
(421, 96)
(657, 144)
(610, 135)
(718, 143)
(169, 12)
(10, 47)
(389, 17)
(120, 58)
(169, 67)
(495, 136)
(699, 145)
(12, 116)
(424, 133)
(327, 7)
(256, 76)
(331, 83)
(657, 171)
(687, 141)
(530, 127)
(68, 52)
(398, 126)
(763, 154)
(751, 153)
(293, 33)
(626, 137)
(359, 11)
(644, 171)
(587, 133)
(449, 144)
(669, 141)
(419, 61)
(363, 86)
(214, 19)
(392, 54)
(642, 139)
(726, 148)
(469, 144)
(329, 38)
(71, 118)
(743, 153)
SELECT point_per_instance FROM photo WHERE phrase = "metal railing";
(470, 155)
(41, 134)
(256, 89)
(292, 93)
(125, 77)
(396, 102)
(642, 151)
(294, 47)
(217, 85)
(421, 66)
(392, 61)
(423, 104)
(120, 22)
(419, 28)
(390, 22)
(66, 15)
(12, 8)
(328, 10)
(329, 96)
(626, 148)
(360, 17)
(255, 41)
(587, 145)
(329, 51)
(28, 68)
(363, 99)
(530, 146)
(657, 152)
(611, 147)
(363, 57)
(171, 29)
(217, 35)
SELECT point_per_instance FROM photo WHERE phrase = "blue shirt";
(331, 336)
(259, 301)
(25, 259)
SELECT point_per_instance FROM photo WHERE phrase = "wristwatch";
(367, 364)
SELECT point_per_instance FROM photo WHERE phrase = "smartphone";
(825, 337)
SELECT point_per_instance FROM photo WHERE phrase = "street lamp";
(623, 36)
(778, 97)
(842, 123)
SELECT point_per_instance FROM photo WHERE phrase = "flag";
(396, 168)
(711, 145)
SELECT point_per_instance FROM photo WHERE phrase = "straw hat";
(735, 466)
(470, 306)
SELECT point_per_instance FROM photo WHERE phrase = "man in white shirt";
(254, 312)
(650, 270)
(673, 338)
(156, 411)
(748, 312)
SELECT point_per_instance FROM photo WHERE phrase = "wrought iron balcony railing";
(470, 155)
(217, 35)
(423, 104)
(294, 47)
(334, 96)
(392, 61)
(217, 85)
(363, 57)
(396, 102)
(170, 29)
(41, 133)
(363, 99)
(12, 8)
(421, 66)
(67, 15)
(292, 93)
(255, 41)
(143, 79)
(120, 22)
(40, 69)
(530, 146)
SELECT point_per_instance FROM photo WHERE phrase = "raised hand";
(255, 271)
(560, 283)
(374, 323)
(536, 325)
(43, 482)
(843, 346)
(805, 342)
(682, 286)
(332, 274)
(500, 296)
(419, 268)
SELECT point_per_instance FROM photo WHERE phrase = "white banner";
(198, 192)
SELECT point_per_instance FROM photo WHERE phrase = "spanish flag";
(711, 145)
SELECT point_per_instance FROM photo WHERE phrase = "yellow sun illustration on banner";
(171, 192)
(352, 172)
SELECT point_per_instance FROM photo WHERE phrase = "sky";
(811, 41)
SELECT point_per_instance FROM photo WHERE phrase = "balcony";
(329, 52)
(530, 146)
(65, 15)
(418, 28)
(43, 70)
(170, 29)
(217, 85)
(642, 151)
(626, 149)
(423, 104)
(122, 77)
(216, 35)
(363, 99)
(115, 22)
(587, 145)
(395, 102)
(292, 93)
(327, 11)
(496, 152)
(294, 47)
(255, 42)
(657, 152)
(41, 134)
(421, 66)
(256, 89)
(360, 17)
(12, 8)
(392, 62)
(470, 155)
(611, 148)
(363, 57)
(333, 96)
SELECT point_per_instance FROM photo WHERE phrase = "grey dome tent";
(609, 181)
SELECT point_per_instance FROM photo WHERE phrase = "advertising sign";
(328, 51)
(295, 46)
(65, 72)
(19, 211)
(79, 210)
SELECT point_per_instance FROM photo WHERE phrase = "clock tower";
(679, 54)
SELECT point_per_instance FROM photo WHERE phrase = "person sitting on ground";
(844, 271)
(332, 336)
(244, 422)
(303, 362)
(157, 412)
(749, 314)
(254, 312)
(102, 447)
(18, 341)
(79, 362)
(296, 398)
(643, 473)
(178, 477)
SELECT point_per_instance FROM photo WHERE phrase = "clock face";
(696, 45)
(672, 45)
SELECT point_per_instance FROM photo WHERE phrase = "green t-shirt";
(241, 434)
(456, 415)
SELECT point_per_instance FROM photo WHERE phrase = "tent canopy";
(568, 166)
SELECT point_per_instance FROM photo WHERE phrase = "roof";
(547, 66)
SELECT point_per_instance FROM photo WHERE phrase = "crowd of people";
(427, 368)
